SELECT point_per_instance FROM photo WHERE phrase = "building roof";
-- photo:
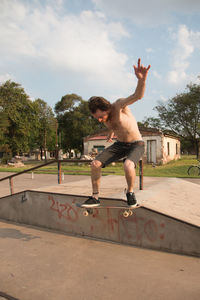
(145, 131)
(99, 137)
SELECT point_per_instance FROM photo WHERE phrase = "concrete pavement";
(39, 264)
(43, 265)
(25, 182)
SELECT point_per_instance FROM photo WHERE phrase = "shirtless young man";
(120, 122)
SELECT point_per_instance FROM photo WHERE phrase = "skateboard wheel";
(126, 214)
(130, 213)
(85, 213)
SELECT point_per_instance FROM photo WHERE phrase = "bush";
(6, 157)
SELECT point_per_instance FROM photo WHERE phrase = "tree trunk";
(197, 148)
(41, 153)
(45, 144)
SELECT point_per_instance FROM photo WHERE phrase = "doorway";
(151, 151)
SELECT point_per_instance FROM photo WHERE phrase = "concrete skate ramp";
(146, 228)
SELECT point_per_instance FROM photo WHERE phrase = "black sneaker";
(131, 200)
(91, 202)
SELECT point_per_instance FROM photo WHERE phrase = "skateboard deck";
(128, 211)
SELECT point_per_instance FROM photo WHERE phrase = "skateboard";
(127, 211)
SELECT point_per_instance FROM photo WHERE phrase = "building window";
(168, 148)
(176, 148)
(99, 148)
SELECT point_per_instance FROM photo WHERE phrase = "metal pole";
(59, 173)
(56, 154)
(141, 174)
(11, 185)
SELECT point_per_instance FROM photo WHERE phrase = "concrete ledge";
(146, 228)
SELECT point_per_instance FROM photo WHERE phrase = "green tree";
(75, 122)
(4, 147)
(181, 114)
(44, 134)
(151, 122)
(4, 123)
(17, 110)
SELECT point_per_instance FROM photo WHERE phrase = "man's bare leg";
(96, 177)
(130, 174)
(93, 201)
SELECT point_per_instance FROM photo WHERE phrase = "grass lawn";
(172, 169)
(176, 168)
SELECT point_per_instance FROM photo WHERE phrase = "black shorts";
(119, 150)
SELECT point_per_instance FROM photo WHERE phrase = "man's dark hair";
(101, 103)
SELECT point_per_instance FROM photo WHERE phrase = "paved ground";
(42, 265)
(38, 264)
(25, 181)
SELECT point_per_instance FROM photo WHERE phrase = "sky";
(88, 47)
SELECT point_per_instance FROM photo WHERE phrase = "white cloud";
(195, 39)
(162, 98)
(151, 12)
(149, 50)
(185, 42)
(84, 43)
(5, 77)
(156, 74)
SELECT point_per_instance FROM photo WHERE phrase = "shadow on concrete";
(16, 234)
(7, 297)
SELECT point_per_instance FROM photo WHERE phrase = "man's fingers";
(135, 68)
(140, 67)
(139, 60)
(149, 66)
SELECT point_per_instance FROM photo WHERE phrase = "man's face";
(101, 115)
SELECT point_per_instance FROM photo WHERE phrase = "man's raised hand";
(141, 71)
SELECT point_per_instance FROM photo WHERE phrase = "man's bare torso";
(123, 123)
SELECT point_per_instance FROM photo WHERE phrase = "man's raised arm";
(141, 73)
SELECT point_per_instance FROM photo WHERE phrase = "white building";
(160, 147)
